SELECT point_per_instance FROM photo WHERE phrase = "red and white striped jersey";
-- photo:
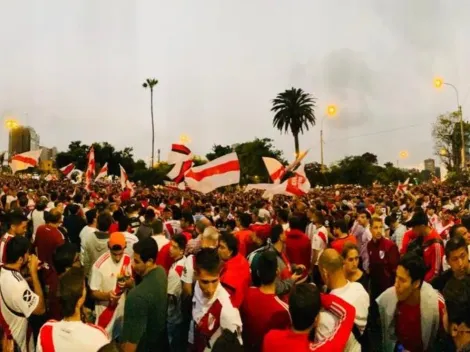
(3, 247)
(17, 303)
(175, 288)
(171, 228)
(71, 336)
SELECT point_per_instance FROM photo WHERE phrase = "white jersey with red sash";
(104, 277)
(70, 336)
(3, 247)
(211, 317)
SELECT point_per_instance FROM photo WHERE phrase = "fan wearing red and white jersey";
(175, 289)
(213, 311)
(71, 334)
(18, 226)
(111, 277)
(17, 301)
(171, 222)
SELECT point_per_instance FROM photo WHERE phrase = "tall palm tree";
(150, 83)
(294, 110)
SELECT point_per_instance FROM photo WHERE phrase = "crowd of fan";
(345, 269)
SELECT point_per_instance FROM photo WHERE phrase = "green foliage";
(294, 111)
(250, 155)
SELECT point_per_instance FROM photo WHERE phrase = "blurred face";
(351, 262)
(462, 231)
(207, 282)
(458, 262)
(430, 212)
(60, 207)
(376, 229)
(138, 265)
(175, 251)
(20, 230)
(362, 220)
(419, 230)
(116, 254)
(403, 284)
(224, 252)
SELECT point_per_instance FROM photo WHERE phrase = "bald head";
(54, 216)
(331, 261)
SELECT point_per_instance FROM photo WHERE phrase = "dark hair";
(341, 224)
(466, 221)
(41, 205)
(348, 246)
(91, 216)
(283, 214)
(15, 218)
(123, 223)
(147, 248)
(453, 230)
(175, 212)
(187, 217)
(17, 247)
(457, 297)
(110, 347)
(415, 266)
(245, 220)
(104, 221)
(364, 211)
(71, 286)
(227, 342)
(267, 267)
(276, 232)
(149, 215)
(73, 209)
(295, 223)
(208, 259)
(454, 243)
(304, 305)
(157, 227)
(231, 241)
(64, 257)
(180, 240)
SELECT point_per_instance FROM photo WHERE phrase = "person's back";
(298, 246)
(97, 244)
(74, 223)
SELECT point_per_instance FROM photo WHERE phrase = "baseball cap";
(419, 218)
(117, 241)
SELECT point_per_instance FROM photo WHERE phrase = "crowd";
(340, 269)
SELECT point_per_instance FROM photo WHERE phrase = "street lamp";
(331, 111)
(439, 83)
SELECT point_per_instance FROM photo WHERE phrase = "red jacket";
(298, 248)
(236, 278)
(383, 262)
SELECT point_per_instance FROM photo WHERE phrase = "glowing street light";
(331, 111)
(11, 124)
(438, 82)
(443, 152)
(404, 154)
(184, 139)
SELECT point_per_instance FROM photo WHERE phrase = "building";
(47, 159)
(430, 165)
(22, 139)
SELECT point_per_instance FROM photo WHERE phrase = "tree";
(218, 151)
(370, 158)
(150, 83)
(294, 111)
(447, 139)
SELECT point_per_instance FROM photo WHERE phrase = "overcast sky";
(74, 70)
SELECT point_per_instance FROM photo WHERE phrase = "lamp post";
(331, 111)
(439, 83)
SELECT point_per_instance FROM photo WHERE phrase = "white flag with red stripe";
(25, 160)
(179, 153)
(67, 170)
(125, 183)
(402, 187)
(275, 169)
(90, 171)
(217, 173)
(103, 172)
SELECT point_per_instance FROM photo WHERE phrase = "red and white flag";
(176, 174)
(179, 154)
(275, 169)
(90, 171)
(103, 172)
(402, 187)
(25, 160)
(67, 169)
(217, 173)
(125, 183)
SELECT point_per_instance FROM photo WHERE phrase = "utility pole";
(321, 151)
(158, 157)
(464, 164)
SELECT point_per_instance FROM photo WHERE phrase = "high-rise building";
(22, 139)
(430, 165)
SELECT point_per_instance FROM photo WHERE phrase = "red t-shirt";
(261, 313)
(164, 259)
(48, 238)
(236, 277)
(339, 243)
(408, 324)
(298, 248)
(244, 240)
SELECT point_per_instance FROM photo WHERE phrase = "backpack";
(417, 246)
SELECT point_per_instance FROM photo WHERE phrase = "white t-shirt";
(104, 275)
(3, 246)
(175, 288)
(161, 241)
(85, 235)
(17, 297)
(355, 294)
(320, 240)
(37, 217)
(188, 271)
(71, 336)
(131, 239)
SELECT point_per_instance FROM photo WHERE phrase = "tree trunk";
(296, 141)
(153, 129)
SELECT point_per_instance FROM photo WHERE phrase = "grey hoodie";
(96, 246)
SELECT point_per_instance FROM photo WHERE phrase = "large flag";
(402, 187)
(67, 170)
(217, 173)
(125, 183)
(25, 160)
(103, 172)
(275, 169)
(176, 174)
(179, 154)
(90, 171)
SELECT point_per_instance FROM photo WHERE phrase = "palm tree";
(150, 83)
(294, 110)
